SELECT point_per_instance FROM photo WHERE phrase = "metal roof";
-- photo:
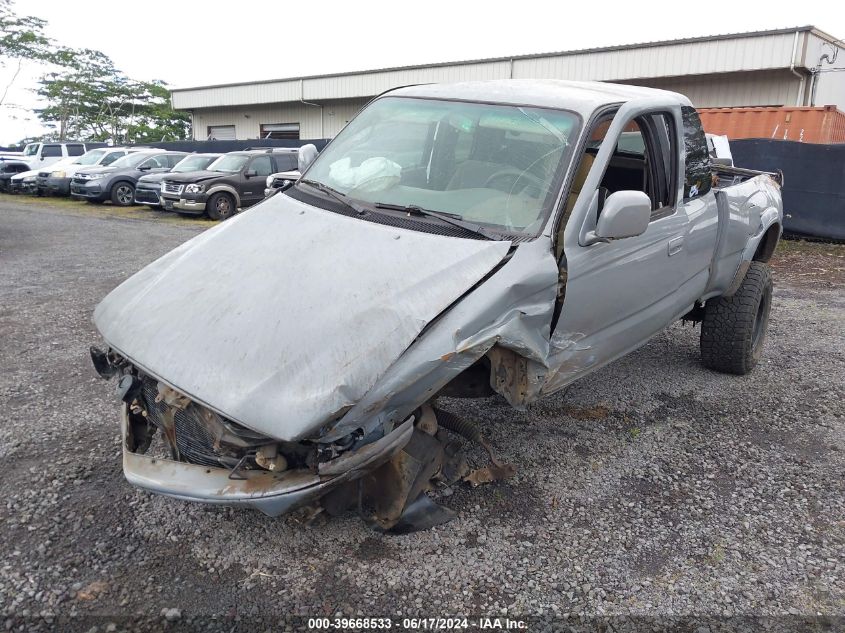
(509, 58)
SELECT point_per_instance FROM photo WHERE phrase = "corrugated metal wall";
(730, 55)
(807, 125)
(695, 58)
(767, 88)
(731, 71)
(737, 89)
(248, 119)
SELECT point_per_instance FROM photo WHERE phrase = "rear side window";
(111, 157)
(698, 177)
(172, 159)
(75, 149)
(286, 162)
(262, 166)
(154, 162)
(51, 151)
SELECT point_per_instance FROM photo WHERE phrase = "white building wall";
(314, 122)
(771, 88)
(732, 90)
(669, 60)
(722, 55)
(830, 88)
(741, 70)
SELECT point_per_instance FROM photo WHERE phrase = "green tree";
(93, 100)
(156, 120)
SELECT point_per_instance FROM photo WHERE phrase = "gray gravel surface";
(653, 487)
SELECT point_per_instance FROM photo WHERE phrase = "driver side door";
(619, 293)
(252, 186)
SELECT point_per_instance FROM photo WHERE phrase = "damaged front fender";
(508, 317)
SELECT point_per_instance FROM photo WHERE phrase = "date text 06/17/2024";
(418, 624)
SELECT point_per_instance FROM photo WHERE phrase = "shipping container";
(823, 124)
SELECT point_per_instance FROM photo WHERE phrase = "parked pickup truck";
(235, 180)
(460, 240)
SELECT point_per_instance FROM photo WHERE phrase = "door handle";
(676, 245)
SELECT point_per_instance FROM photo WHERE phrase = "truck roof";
(581, 96)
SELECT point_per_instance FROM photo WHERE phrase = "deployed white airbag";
(374, 174)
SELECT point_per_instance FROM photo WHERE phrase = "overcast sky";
(190, 43)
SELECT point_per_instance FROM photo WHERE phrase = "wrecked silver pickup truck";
(460, 240)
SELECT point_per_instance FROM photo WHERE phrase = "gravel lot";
(652, 488)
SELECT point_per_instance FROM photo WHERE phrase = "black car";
(148, 187)
(117, 181)
(9, 169)
(235, 180)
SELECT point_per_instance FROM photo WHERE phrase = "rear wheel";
(123, 194)
(220, 206)
(734, 328)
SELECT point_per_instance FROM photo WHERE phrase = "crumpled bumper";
(272, 493)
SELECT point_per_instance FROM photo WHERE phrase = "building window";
(280, 130)
(221, 133)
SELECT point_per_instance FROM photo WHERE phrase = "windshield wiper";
(333, 193)
(448, 218)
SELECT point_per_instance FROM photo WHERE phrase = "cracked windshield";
(494, 165)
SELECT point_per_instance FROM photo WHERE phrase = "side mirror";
(625, 214)
(307, 154)
(249, 173)
(145, 168)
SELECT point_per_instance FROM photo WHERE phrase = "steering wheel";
(509, 177)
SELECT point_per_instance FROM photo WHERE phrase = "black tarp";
(814, 182)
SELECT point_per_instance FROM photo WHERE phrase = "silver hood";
(285, 316)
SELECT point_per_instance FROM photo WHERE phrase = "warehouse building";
(786, 67)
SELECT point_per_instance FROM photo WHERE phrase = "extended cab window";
(698, 177)
(51, 151)
(75, 149)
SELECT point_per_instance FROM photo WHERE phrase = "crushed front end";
(177, 447)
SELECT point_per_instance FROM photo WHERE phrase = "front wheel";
(734, 328)
(220, 206)
(123, 194)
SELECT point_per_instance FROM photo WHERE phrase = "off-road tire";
(220, 206)
(734, 328)
(123, 194)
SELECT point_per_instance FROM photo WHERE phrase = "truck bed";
(744, 197)
(728, 175)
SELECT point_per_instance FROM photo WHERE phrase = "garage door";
(221, 133)
(280, 130)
